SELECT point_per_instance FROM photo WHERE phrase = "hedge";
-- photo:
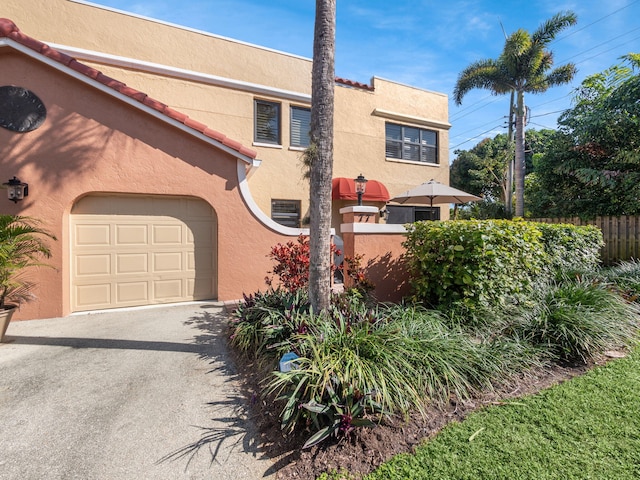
(478, 262)
(571, 248)
(481, 262)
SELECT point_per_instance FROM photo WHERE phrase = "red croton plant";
(292, 263)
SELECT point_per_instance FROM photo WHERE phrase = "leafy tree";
(592, 167)
(321, 156)
(483, 170)
(523, 67)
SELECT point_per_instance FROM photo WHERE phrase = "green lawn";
(586, 428)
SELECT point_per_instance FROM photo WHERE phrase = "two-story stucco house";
(139, 120)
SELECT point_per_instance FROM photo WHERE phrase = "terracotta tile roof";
(351, 83)
(9, 30)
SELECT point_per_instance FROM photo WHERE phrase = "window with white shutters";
(300, 126)
(411, 143)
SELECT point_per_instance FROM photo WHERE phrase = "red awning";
(345, 189)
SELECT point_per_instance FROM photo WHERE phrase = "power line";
(552, 101)
(473, 138)
(540, 125)
(476, 128)
(469, 106)
(606, 51)
(603, 43)
(573, 32)
(548, 113)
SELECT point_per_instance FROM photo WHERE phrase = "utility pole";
(508, 201)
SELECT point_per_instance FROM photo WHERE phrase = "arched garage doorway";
(130, 250)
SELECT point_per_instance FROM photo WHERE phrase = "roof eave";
(248, 156)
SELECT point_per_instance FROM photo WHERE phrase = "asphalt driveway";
(140, 394)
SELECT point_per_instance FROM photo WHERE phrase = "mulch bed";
(366, 448)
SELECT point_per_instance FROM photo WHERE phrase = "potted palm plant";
(22, 245)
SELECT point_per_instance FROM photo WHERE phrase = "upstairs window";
(411, 143)
(300, 126)
(267, 122)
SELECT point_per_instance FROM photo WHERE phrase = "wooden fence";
(621, 235)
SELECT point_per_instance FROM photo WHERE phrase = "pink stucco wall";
(384, 264)
(91, 142)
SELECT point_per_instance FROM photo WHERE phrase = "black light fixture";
(361, 186)
(16, 190)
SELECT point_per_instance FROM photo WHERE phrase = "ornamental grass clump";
(625, 277)
(393, 359)
(263, 324)
(576, 319)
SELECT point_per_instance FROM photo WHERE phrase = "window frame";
(300, 134)
(278, 216)
(277, 119)
(400, 214)
(404, 145)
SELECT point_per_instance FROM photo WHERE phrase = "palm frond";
(550, 28)
(484, 74)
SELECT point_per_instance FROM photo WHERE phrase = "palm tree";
(522, 67)
(321, 154)
(22, 245)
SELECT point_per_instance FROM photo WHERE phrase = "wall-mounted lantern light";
(16, 190)
(361, 186)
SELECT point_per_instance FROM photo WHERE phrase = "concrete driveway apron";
(139, 394)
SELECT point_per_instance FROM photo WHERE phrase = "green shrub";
(571, 248)
(473, 262)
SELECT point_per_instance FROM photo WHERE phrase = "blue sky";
(424, 43)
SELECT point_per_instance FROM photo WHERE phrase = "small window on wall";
(300, 126)
(286, 212)
(411, 143)
(402, 214)
(267, 122)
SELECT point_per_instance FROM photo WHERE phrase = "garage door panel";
(203, 258)
(132, 235)
(94, 296)
(129, 250)
(136, 293)
(167, 262)
(200, 231)
(91, 265)
(167, 235)
(199, 287)
(93, 235)
(129, 263)
(167, 289)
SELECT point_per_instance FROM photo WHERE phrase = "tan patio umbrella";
(433, 191)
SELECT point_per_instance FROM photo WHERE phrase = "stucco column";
(351, 215)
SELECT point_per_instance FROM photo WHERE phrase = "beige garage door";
(141, 250)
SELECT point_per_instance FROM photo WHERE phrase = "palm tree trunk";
(321, 171)
(520, 160)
